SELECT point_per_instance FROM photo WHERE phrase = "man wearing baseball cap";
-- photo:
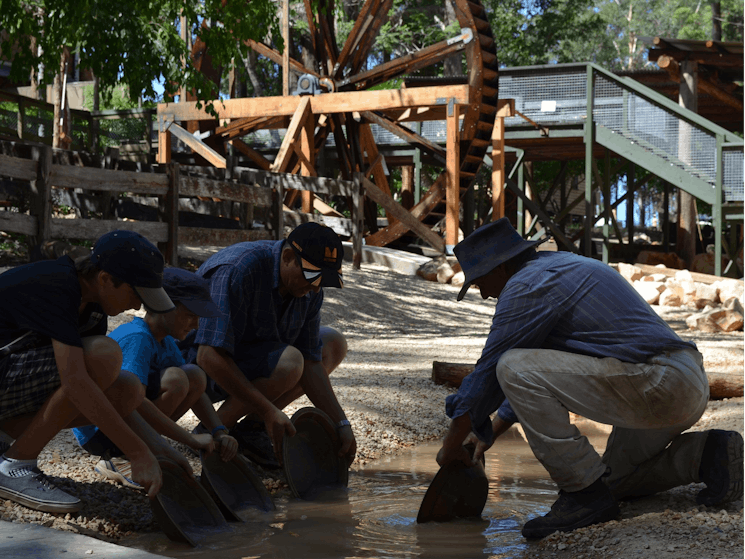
(58, 369)
(268, 347)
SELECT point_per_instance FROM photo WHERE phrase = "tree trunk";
(721, 385)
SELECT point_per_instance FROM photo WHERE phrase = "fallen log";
(721, 385)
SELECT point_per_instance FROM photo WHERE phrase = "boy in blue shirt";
(172, 387)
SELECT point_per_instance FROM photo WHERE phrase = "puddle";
(376, 516)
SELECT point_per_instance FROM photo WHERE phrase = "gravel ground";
(396, 326)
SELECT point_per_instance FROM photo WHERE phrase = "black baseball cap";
(190, 290)
(133, 259)
(319, 252)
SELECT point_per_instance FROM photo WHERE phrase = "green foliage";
(131, 42)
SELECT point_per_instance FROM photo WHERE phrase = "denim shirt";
(564, 302)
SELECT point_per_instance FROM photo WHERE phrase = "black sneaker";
(721, 468)
(254, 443)
(591, 505)
(31, 488)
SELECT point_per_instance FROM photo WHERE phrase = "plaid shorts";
(27, 379)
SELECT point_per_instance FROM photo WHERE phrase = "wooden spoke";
(404, 65)
(276, 57)
(406, 134)
(361, 27)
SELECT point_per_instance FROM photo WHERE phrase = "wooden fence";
(168, 184)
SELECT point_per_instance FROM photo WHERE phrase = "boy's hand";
(227, 446)
(204, 442)
(146, 472)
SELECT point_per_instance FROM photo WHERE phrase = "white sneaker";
(118, 470)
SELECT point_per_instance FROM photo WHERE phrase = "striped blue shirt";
(244, 284)
(565, 302)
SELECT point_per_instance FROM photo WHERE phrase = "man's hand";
(163, 449)
(448, 455)
(481, 447)
(227, 446)
(204, 442)
(278, 425)
(452, 445)
(348, 444)
(146, 472)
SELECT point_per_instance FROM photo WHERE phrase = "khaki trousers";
(649, 405)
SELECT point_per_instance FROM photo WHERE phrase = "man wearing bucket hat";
(569, 334)
(58, 369)
(172, 387)
(268, 347)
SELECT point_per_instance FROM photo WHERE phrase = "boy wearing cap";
(172, 387)
(268, 347)
(571, 334)
(58, 370)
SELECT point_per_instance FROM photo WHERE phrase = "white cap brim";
(155, 299)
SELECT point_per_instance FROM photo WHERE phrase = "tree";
(130, 42)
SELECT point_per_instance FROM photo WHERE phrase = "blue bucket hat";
(133, 259)
(488, 247)
(190, 290)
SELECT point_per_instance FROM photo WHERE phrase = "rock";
(444, 272)
(728, 320)
(683, 275)
(734, 304)
(630, 272)
(655, 277)
(670, 298)
(458, 279)
(428, 270)
(669, 259)
(726, 289)
(712, 320)
(706, 295)
(701, 322)
(649, 290)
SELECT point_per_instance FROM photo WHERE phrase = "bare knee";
(335, 348)
(290, 367)
(126, 393)
(196, 378)
(175, 382)
(103, 360)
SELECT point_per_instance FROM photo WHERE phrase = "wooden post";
(687, 214)
(358, 218)
(307, 149)
(497, 174)
(21, 117)
(286, 50)
(164, 141)
(168, 210)
(452, 211)
(41, 196)
(630, 186)
(407, 186)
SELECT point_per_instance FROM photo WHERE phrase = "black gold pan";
(182, 508)
(234, 485)
(311, 458)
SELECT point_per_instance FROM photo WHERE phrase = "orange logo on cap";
(330, 255)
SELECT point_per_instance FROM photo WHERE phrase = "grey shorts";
(27, 380)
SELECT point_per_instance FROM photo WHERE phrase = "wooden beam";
(428, 202)
(375, 159)
(707, 58)
(302, 112)
(197, 146)
(17, 168)
(319, 185)
(306, 153)
(452, 209)
(276, 57)
(256, 158)
(497, 175)
(672, 67)
(405, 134)
(91, 178)
(421, 230)
(328, 103)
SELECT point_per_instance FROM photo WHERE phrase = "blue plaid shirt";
(244, 284)
(561, 301)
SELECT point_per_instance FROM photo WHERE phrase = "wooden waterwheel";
(343, 69)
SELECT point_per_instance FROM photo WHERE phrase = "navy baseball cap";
(133, 259)
(319, 252)
(190, 290)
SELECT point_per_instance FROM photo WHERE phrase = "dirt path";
(396, 326)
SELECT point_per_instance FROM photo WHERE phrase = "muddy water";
(376, 516)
